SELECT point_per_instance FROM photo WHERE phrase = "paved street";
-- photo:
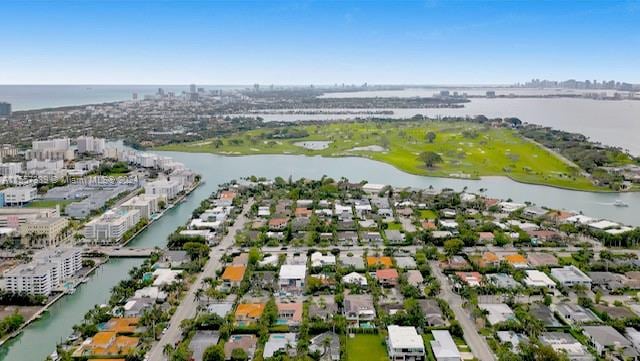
(188, 306)
(477, 343)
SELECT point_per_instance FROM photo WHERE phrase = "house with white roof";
(443, 346)
(536, 278)
(570, 276)
(354, 278)
(404, 344)
(292, 277)
(319, 260)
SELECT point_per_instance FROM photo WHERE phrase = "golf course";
(434, 148)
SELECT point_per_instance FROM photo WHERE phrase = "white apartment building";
(165, 189)
(111, 226)
(67, 259)
(53, 154)
(57, 144)
(10, 169)
(146, 204)
(91, 145)
(16, 196)
(32, 278)
(48, 270)
(48, 164)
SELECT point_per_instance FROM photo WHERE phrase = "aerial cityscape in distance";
(319, 181)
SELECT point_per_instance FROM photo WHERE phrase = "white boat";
(619, 203)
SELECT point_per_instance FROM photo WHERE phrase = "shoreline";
(37, 315)
(596, 191)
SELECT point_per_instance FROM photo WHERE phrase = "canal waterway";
(39, 339)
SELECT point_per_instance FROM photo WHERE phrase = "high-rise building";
(192, 88)
(5, 109)
(91, 145)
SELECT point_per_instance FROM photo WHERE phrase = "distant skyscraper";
(161, 92)
(192, 88)
(135, 96)
(5, 109)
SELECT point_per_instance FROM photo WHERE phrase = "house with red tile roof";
(387, 277)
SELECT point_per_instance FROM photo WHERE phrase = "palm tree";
(167, 350)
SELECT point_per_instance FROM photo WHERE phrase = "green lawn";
(428, 214)
(366, 348)
(49, 204)
(394, 226)
(468, 150)
(427, 338)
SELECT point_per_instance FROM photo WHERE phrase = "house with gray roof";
(566, 343)
(502, 280)
(606, 340)
(406, 262)
(327, 345)
(574, 314)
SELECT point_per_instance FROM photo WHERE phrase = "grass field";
(49, 204)
(366, 348)
(468, 150)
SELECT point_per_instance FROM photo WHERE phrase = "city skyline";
(284, 42)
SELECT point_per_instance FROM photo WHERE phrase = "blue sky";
(321, 42)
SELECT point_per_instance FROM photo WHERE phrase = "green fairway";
(468, 150)
(366, 348)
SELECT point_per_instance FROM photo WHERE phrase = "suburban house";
(497, 312)
(354, 278)
(280, 342)
(289, 314)
(414, 278)
(516, 260)
(247, 343)
(405, 344)
(570, 276)
(606, 338)
(387, 277)
(292, 277)
(573, 313)
(319, 260)
(536, 278)
(471, 279)
(248, 313)
(565, 342)
(443, 346)
(278, 224)
(432, 312)
(233, 275)
(383, 261)
(359, 310)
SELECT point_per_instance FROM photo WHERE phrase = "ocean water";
(27, 97)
